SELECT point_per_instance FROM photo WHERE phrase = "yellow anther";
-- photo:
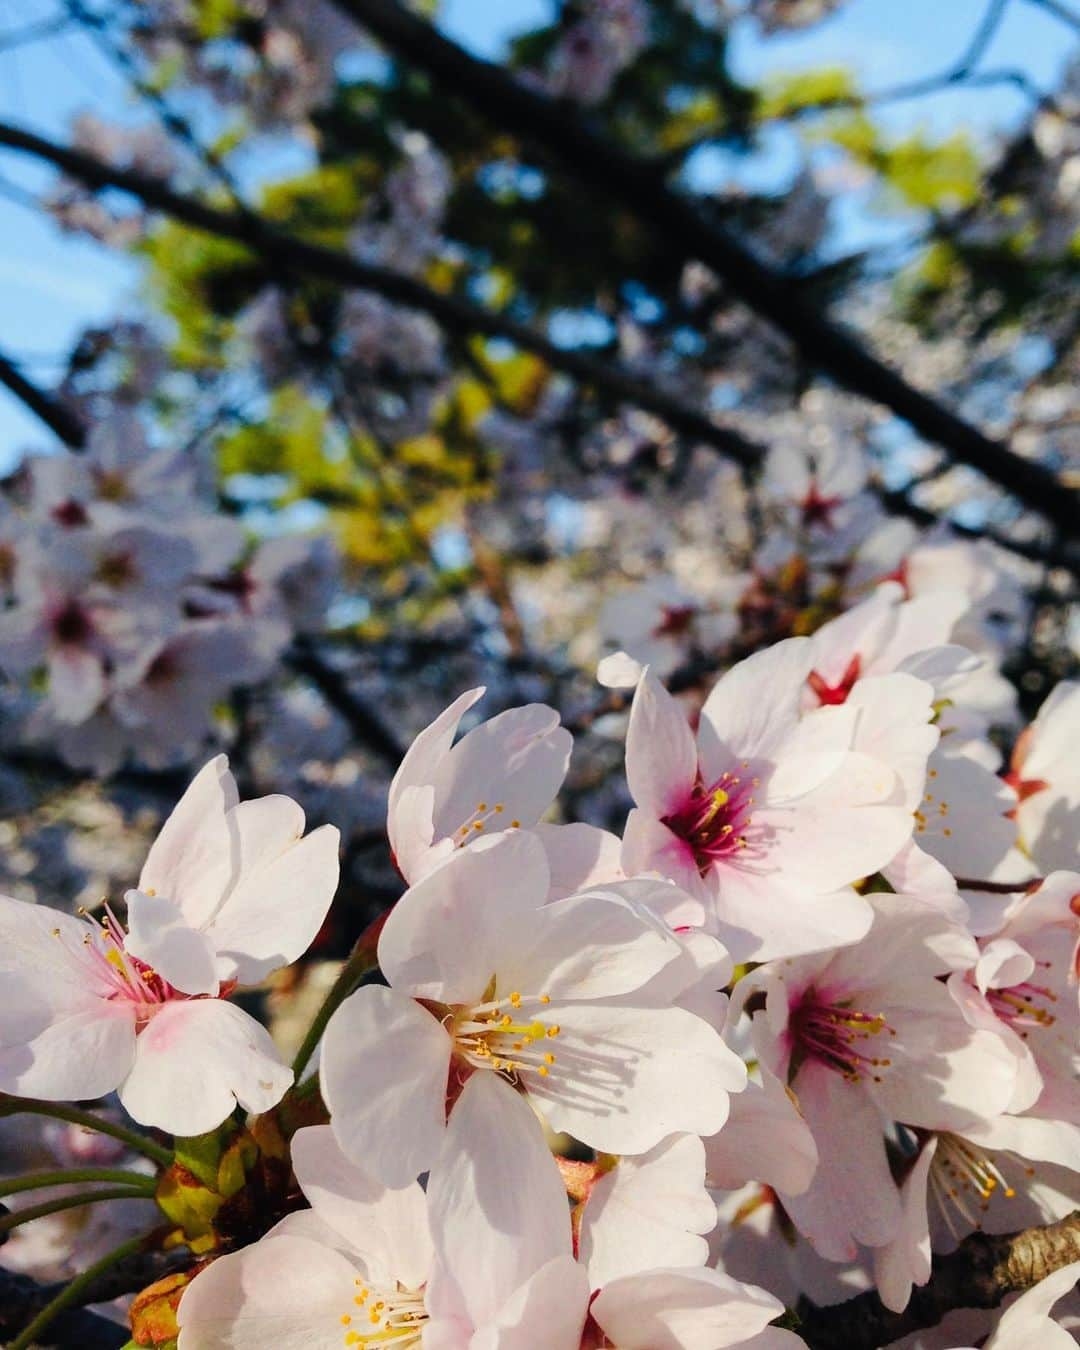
(481, 806)
(554, 1029)
(515, 999)
(478, 824)
(499, 808)
(346, 1318)
(515, 824)
(544, 998)
(549, 1058)
(543, 1071)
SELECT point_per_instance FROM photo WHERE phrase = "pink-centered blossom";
(866, 1036)
(229, 892)
(766, 816)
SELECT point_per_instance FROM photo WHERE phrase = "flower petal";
(195, 1061)
(683, 1310)
(159, 934)
(383, 1071)
(195, 855)
(285, 1292)
(661, 757)
(388, 1229)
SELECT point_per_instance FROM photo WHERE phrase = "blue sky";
(52, 284)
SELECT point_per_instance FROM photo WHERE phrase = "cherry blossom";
(767, 816)
(553, 1000)
(1047, 782)
(503, 774)
(866, 1036)
(483, 1258)
(229, 892)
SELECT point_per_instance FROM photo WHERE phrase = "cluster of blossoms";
(812, 1016)
(129, 609)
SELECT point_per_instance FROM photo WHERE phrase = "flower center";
(126, 978)
(385, 1317)
(1024, 1005)
(830, 695)
(477, 822)
(963, 1181)
(817, 509)
(674, 620)
(714, 819)
(837, 1035)
(71, 625)
(506, 1035)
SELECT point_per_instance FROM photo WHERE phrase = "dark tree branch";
(365, 723)
(451, 312)
(294, 255)
(979, 1274)
(687, 230)
(56, 417)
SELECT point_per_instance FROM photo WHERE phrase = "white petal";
(276, 910)
(82, 1054)
(618, 671)
(906, 1260)
(579, 856)
(647, 1211)
(195, 1061)
(498, 1208)
(625, 1078)
(424, 756)
(195, 855)
(444, 936)
(682, 1310)
(548, 1309)
(285, 1292)
(516, 761)
(661, 757)
(159, 934)
(597, 945)
(383, 1071)
(754, 706)
(765, 1139)
(1027, 1323)
(388, 1229)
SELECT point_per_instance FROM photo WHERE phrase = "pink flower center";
(817, 510)
(674, 620)
(830, 695)
(125, 978)
(714, 819)
(71, 625)
(1024, 1006)
(837, 1035)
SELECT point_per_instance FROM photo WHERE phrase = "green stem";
(362, 959)
(71, 1295)
(138, 1143)
(20, 1216)
(34, 1180)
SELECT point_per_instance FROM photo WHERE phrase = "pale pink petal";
(597, 945)
(906, 1260)
(195, 1061)
(761, 916)
(516, 761)
(579, 856)
(159, 934)
(76, 683)
(425, 754)
(1027, 1323)
(388, 1229)
(276, 910)
(81, 1054)
(383, 1072)
(682, 1310)
(754, 706)
(661, 757)
(852, 1197)
(618, 671)
(195, 855)
(285, 1292)
(625, 1078)
(414, 830)
(647, 1211)
(497, 1204)
(547, 1310)
(765, 1139)
(649, 846)
(444, 936)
